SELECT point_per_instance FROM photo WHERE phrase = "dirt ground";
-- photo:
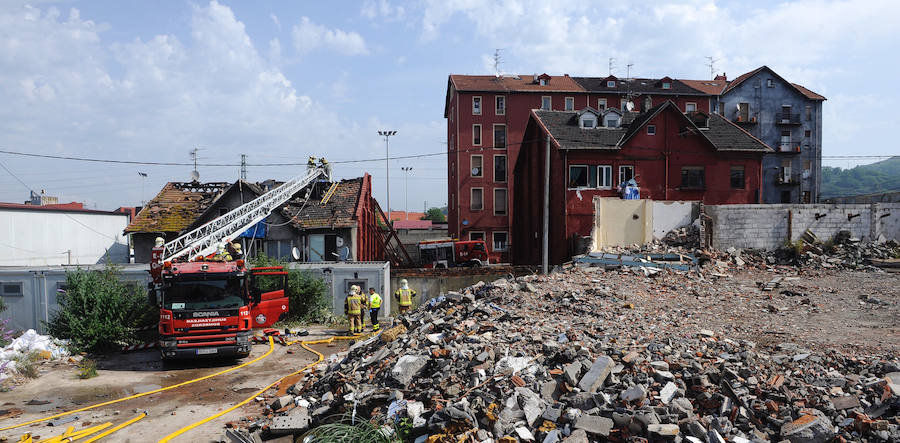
(854, 312)
(59, 389)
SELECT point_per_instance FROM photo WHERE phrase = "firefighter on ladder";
(404, 296)
(353, 307)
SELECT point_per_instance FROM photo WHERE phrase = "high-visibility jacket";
(404, 296)
(375, 301)
(354, 304)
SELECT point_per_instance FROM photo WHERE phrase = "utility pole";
(243, 166)
(195, 174)
(545, 259)
(387, 166)
(406, 169)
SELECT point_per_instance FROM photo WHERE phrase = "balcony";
(743, 119)
(788, 148)
(784, 177)
(787, 119)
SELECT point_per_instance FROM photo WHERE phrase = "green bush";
(309, 296)
(100, 312)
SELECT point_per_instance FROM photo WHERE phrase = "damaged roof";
(176, 206)
(338, 212)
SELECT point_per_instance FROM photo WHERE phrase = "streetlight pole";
(387, 165)
(406, 169)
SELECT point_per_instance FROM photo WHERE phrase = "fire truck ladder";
(203, 240)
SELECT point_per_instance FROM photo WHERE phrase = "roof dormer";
(665, 83)
(612, 118)
(611, 81)
(588, 118)
(542, 79)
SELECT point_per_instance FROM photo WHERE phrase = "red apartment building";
(673, 156)
(486, 119)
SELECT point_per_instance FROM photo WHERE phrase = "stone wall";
(769, 226)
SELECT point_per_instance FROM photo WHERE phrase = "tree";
(435, 215)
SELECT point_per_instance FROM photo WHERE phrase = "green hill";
(877, 177)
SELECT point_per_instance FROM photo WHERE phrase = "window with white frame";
(476, 235)
(500, 136)
(651, 129)
(500, 105)
(570, 103)
(588, 123)
(623, 103)
(476, 105)
(648, 103)
(476, 135)
(612, 120)
(626, 172)
(501, 241)
(476, 203)
(578, 176)
(690, 107)
(610, 83)
(601, 104)
(542, 82)
(477, 166)
(500, 202)
(546, 103)
(604, 176)
(500, 168)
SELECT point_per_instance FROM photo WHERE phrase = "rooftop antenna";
(611, 60)
(497, 63)
(712, 69)
(195, 175)
(628, 71)
(243, 166)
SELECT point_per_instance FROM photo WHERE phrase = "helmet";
(236, 246)
(404, 282)
(159, 242)
(354, 289)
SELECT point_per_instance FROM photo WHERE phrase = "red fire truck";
(453, 253)
(207, 307)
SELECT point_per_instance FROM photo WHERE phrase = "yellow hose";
(76, 435)
(261, 391)
(116, 428)
(184, 383)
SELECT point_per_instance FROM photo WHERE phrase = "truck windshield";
(204, 294)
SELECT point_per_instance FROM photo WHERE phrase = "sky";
(281, 81)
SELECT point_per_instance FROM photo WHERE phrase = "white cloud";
(275, 21)
(383, 9)
(308, 37)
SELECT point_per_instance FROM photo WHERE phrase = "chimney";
(535, 78)
(722, 77)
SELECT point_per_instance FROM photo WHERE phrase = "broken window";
(578, 176)
(737, 177)
(692, 177)
(743, 112)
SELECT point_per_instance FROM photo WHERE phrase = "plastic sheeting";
(28, 342)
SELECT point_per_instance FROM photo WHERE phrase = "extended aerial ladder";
(203, 240)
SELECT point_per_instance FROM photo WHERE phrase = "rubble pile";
(47, 347)
(686, 237)
(843, 252)
(557, 359)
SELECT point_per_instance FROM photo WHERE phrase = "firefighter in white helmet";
(404, 296)
(221, 253)
(353, 307)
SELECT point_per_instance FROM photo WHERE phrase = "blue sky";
(279, 81)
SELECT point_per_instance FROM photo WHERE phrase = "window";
(578, 176)
(690, 107)
(610, 83)
(626, 172)
(588, 123)
(785, 140)
(667, 85)
(648, 103)
(808, 113)
(570, 103)
(476, 235)
(612, 121)
(500, 201)
(601, 104)
(770, 83)
(743, 112)
(546, 103)
(501, 241)
(477, 166)
(543, 82)
(651, 129)
(476, 135)
(500, 105)
(12, 289)
(500, 136)
(807, 196)
(499, 168)
(737, 177)
(476, 105)
(605, 176)
(786, 113)
(807, 133)
(477, 202)
(623, 103)
(692, 177)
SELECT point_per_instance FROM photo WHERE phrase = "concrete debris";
(490, 366)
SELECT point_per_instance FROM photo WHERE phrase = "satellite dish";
(738, 106)
(295, 253)
(629, 106)
(195, 175)
(475, 171)
(339, 241)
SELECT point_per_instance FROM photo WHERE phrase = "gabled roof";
(710, 87)
(636, 86)
(800, 89)
(176, 206)
(563, 128)
(588, 109)
(338, 212)
(727, 136)
(525, 83)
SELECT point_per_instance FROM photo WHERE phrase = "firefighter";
(374, 307)
(222, 253)
(404, 296)
(353, 307)
(235, 250)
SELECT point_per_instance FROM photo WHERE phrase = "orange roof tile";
(711, 87)
(526, 83)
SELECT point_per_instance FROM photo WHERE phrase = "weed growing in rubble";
(87, 369)
(100, 312)
(348, 430)
(27, 364)
(309, 296)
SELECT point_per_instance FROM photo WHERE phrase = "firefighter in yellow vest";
(374, 307)
(404, 296)
(353, 308)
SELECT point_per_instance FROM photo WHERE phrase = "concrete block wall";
(769, 226)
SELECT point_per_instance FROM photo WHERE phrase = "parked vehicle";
(453, 253)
